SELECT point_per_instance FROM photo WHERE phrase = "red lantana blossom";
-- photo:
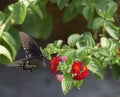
(79, 71)
(54, 64)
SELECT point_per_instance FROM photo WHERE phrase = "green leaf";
(58, 43)
(104, 42)
(115, 69)
(11, 42)
(106, 9)
(19, 12)
(95, 67)
(70, 53)
(62, 3)
(2, 17)
(41, 27)
(102, 52)
(5, 56)
(73, 39)
(113, 44)
(85, 40)
(88, 12)
(78, 84)
(28, 2)
(97, 23)
(52, 49)
(53, 1)
(113, 31)
(67, 83)
(69, 14)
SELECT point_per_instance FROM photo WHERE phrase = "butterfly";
(34, 56)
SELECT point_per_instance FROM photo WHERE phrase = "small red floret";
(79, 71)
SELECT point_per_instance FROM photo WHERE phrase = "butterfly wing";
(29, 45)
(27, 64)
(32, 52)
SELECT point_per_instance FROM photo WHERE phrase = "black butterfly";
(33, 54)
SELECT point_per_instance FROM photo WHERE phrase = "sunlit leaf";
(5, 56)
(95, 67)
(73, 39)
(19, 12)
(10, 41)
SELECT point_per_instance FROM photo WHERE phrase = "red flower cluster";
(79, 71)
(54, 64)
(55, 61)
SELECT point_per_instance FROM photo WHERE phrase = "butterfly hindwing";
(32, 52)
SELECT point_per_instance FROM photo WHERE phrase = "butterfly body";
(34, 56)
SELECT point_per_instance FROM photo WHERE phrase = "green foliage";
(97, 49)
(19, 12)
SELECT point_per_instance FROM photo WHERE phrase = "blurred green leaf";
(113, 31)
(53, 1)
(88, 9)
(62, 3)
(2, 17)
(97, 23)
(69, 14)
(39, 27)
(5, 56)
(19, 12)
(106, 9)
(115, 69)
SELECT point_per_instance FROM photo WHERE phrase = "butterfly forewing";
(32, 52)
(29, 45)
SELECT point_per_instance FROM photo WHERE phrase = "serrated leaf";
(11, 42)
(95, 67)
(113, 31)
(73, 39)
(5, 56)
(67, 83)
(85, 40)
(19, 12)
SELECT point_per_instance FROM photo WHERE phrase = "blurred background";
(41, 82)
